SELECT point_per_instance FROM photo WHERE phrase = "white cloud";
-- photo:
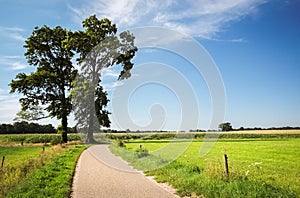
(14, 33)
(109, 72)
(9, 106)
(16, 36)
(113, 85)
(13, 62)
(117, 84)
(203, 18)
(18, 66)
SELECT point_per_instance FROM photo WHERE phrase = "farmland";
(261, 163)
(264, 166)
(23, 164)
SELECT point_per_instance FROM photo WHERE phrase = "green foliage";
(50, 83)
(61, 131)
(142, 152)
(123, 136)
(37, 138)
(225, 126)
(53, 179)
(120, 143)
(101, 102)
(56, 140)
(35, 113)
(25, 127)
(158, 136)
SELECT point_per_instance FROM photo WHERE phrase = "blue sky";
(255, 46)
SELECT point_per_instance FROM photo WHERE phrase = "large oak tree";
(99, 47)
(49, 86)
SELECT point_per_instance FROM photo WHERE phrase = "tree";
(99, 47)
(35, 113)
(225, 126)
(49, 86)
(89, 106)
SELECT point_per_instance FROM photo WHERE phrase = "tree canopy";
(225, 126)
(49, 86)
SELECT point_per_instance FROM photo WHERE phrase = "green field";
(17, 155)
(54, 179)
(35, 170)
(257, 167)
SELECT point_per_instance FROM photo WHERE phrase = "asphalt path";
(99, 173)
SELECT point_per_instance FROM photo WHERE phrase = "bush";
(142, 152)
(120, 143)
(159, 136)
(56, 140)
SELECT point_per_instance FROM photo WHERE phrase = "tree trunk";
(91, 124)
(90, 134)
(64, 123)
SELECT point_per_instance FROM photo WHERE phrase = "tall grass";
(54, 179)
(53, 139)
(20, 162)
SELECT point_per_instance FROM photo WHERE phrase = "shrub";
(142, 152)
(120, 143)
(56, 140)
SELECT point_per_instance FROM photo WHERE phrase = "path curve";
(94, 177)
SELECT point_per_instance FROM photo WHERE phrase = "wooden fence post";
(226, 165)
(2, 164)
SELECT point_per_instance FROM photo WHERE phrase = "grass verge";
(54, 179)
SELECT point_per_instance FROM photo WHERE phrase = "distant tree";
(225, 126)
(99, 47)
(50, 84)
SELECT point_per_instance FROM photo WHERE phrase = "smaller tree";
(225, 126)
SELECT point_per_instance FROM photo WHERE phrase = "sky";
(199, 62)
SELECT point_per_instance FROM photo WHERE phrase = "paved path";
(99, 173)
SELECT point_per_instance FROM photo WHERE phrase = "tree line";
(24, 127)
(226, 126)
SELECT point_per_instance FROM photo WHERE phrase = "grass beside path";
(53, 179)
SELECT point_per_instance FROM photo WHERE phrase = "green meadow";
(36, 169)
(260, 167)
